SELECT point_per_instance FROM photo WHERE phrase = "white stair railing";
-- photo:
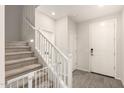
(36, 79)
(59, 64)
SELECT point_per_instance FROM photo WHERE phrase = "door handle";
(91, 51)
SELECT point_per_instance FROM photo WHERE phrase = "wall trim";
(82, 69)
(2, 46)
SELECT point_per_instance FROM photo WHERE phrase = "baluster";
(49, 53)
(36, 39)
(55, 81)
(36, 79)
(23, 82)
(65, 70)
(39, 43)
(55, 60)
(43, 47)
(11, 85)
(57, 64)
(61, 65)
(48, 78)
(17, 84)
(30, 80)
(53, 56)
(70, 71)
(50, 56)
(42, 78)
(46, 51)
(46, 81)
(39, 79)
(58, 82)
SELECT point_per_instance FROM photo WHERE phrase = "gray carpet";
(82, 79)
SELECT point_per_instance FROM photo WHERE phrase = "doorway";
(102, 47)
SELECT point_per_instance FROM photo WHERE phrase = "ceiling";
(79, 12)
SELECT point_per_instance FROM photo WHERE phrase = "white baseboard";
(79, 68)
(74, 68)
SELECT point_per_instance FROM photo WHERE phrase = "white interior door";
(103, 47)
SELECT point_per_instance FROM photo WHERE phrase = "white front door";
(103, 47)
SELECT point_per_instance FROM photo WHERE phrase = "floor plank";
(82, 79)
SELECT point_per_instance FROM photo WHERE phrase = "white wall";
(122, 48)
(72, 36)
(83, 43)
(45, 24)
(83, 46)
(28, 12)
(61, 35)
(43, 21)
(66, 37)
(13, 18)
(2, 48)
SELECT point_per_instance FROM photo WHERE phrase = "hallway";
(82, 79)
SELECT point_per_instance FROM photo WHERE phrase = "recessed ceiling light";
(102, 24)
(53, 13)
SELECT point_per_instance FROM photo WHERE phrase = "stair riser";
(17, 49)
(20, 64)
(18, 56)
(13, 75)
(18, 43)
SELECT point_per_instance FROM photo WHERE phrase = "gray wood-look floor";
(82, 79)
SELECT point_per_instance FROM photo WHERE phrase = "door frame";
(115, 45)
(2, 47)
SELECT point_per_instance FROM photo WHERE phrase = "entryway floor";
(82, 79)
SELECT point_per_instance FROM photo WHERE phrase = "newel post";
(70, 71)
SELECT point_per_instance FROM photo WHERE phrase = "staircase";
(23, 69)
(20, 60)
